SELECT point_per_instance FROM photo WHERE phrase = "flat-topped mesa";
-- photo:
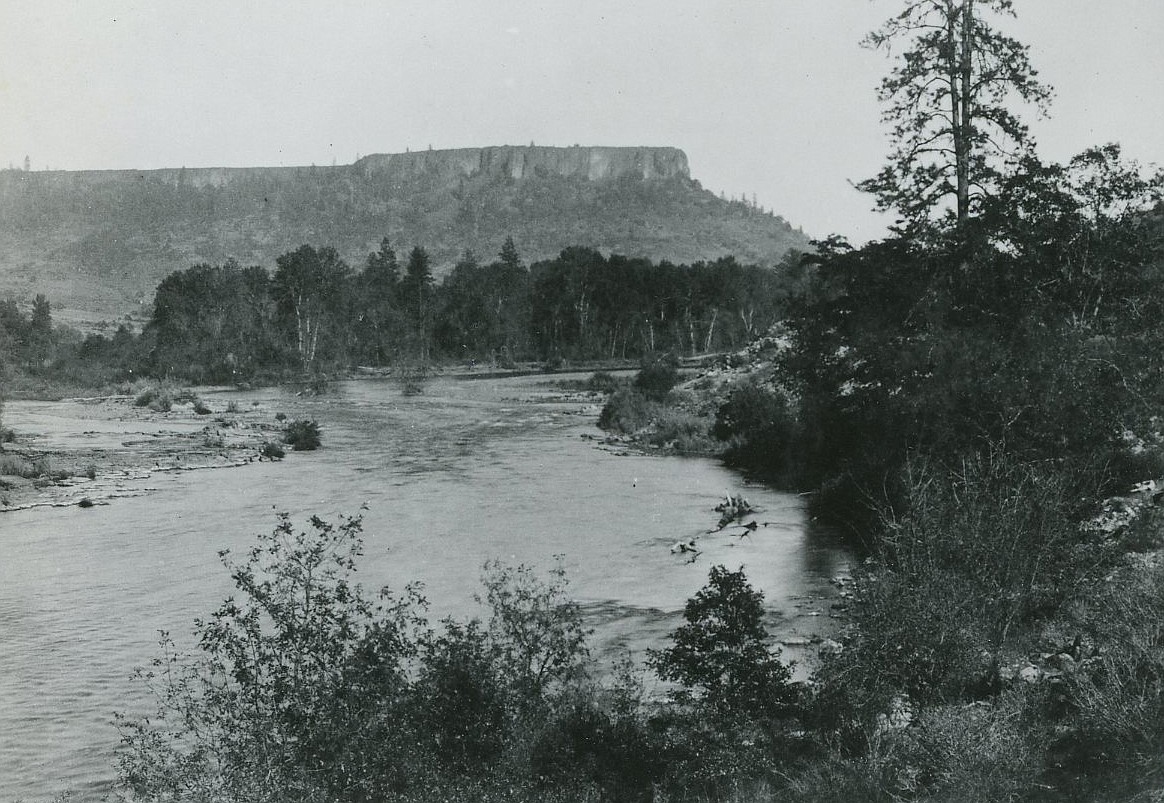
(522, 161)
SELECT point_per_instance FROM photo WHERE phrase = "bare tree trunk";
(961, 93)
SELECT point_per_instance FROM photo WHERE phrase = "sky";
(769, 98)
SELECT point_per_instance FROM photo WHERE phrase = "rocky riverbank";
(87, 451)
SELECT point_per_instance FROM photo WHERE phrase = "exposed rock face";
(519, 162)
(98, 242)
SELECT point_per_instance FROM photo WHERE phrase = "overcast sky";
(768, 97)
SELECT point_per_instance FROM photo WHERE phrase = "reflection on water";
(465, 473)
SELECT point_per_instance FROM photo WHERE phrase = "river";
(469, 471)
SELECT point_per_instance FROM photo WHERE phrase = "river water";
(471, 470)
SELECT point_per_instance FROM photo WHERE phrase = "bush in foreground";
(302, 435)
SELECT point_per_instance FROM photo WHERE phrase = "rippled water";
(471, 470)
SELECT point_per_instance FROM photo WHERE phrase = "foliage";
(302, 435)
(627, 411)
(656, 379)
(1113, 706)
(760, 429)
(293, 691)
(464, 706)
(982, 554)
(953, 131)
(720, 657)
(211, 323)
(603, 382)
(309, 290)
(538, 630)
(155, 397)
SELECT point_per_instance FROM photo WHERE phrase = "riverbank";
(88, 450)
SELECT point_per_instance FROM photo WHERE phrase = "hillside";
(97, 242)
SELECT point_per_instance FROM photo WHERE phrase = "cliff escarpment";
(521, 162)
(98, 242)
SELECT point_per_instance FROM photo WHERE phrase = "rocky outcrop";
(520, 162)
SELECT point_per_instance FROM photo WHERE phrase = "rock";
(831, 647)
(1030, 673)
(898, 717)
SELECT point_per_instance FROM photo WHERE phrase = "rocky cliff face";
(98, 242)
(519, 162)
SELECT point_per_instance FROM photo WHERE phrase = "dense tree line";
(315, 313)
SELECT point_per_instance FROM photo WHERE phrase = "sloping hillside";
(97, 242)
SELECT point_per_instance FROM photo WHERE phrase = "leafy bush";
(302, 435)
(683, 431)
(464, 707)
(604, 382)
(292, 693)
(721, 657)
(155, 398)
(963, 579)
(272, 451)
(536, 628)
(655, 381)
(626, 411)
(761, 433)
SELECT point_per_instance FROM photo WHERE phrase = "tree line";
(314, 313)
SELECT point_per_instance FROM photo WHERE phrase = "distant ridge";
(97, 242)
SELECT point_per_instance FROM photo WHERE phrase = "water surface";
(470, 471)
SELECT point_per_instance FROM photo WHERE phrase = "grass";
(156, 397)
(41, 468)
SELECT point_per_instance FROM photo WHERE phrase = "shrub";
(721, 657)
(296, 689)
(963, 578)
(463, 701)
(760, 431)
(302, 435)
(232, 406)
(627, 411)
(15, 466)
(656, 380)
(604, 382)
(685, 432)
(1115, 698)
(200, 407)
(272, 451)
(585, 743)
(155, 398)
(535, 627)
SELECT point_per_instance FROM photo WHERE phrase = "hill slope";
(97, 242)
